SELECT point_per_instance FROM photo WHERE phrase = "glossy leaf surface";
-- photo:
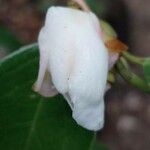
(29, 121)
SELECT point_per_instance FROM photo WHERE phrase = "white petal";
(44, 85)
(46, 88)
(78, 62)
(87, 82)
(89, 114)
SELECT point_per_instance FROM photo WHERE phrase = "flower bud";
(74, 60)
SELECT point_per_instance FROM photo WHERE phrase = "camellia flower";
(74, 62)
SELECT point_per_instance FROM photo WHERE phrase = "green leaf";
(8, 40)
(97, 145)
(146, 68)
(29, 121)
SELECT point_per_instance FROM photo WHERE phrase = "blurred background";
(127, 125)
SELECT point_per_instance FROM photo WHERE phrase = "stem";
(133, 59)
(132, 78)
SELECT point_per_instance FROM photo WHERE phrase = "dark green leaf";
(8, 40)
(97, 145)
(146, 68)
(29, 121)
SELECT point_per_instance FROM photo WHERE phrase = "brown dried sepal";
(115, 45)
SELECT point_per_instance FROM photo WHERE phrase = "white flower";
(74, 61)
